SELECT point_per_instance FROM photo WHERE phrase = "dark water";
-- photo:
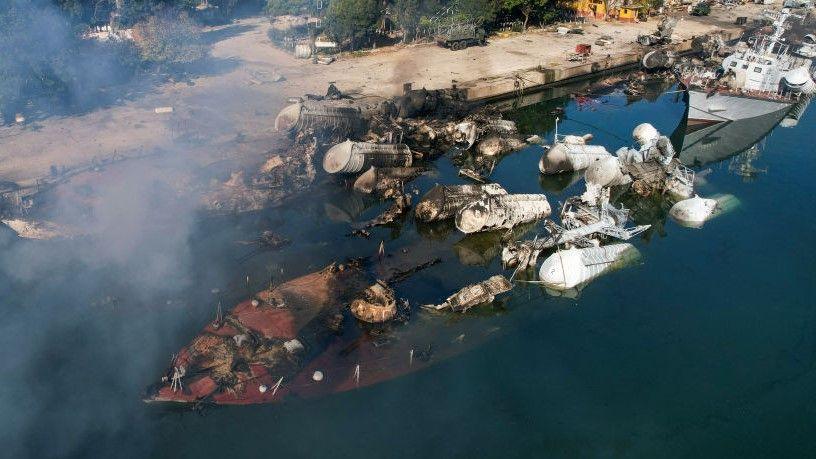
(707, 347)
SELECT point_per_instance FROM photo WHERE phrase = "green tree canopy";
(525, 7)
(281, 7)
(352, 19)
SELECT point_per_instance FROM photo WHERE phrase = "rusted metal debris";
(381, 179)
(258, 342)
(402, 202)
(377, 305)
(501, 212)
(443, 201)
(475, 294)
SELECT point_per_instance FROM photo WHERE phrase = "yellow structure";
(590, 8)
(596, 9)
(628, 13)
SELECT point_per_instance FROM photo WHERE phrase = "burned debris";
(475, 294)
(502, 211)
(285, 340)
(377, 304)
(444, 201)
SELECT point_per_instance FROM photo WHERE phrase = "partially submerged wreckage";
(344, 327)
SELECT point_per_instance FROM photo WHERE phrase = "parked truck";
(460, 36)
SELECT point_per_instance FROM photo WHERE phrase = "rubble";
(658, 59)
(377, 305)
(501, 212)
(277, 180)
(444, 201)
(382, 179)
(495, 145)
(475, 294)
(402, 202)
(575, 267)
(662, 35)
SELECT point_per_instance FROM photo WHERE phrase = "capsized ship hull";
(245, 357)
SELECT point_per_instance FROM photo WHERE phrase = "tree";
(525, 7)
(281, 7)
(481, 11)
(409, 14)
(352, 19)
(165, 39)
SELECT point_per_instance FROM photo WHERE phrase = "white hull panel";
(725, 107)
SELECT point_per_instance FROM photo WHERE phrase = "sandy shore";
(228, 113)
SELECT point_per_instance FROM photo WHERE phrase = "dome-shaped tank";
(645, 133)
(799, 81)
(694, 212)
(604, 172)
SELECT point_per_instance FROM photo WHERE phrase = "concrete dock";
(540, 77)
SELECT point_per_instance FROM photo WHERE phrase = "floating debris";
(377, 305)
(381, 179)
(571, 268)
(402, 202)
(588, 232)
(444, 201)
(502, 212)
(694, 212)
(496, 145)
(475, 294)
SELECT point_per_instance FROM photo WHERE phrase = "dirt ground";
(228, 112)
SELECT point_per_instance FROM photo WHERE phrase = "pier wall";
(542, 77)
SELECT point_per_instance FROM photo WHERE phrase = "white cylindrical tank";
(350, 157)
(604, 172)
(502, 211)
(567, 269)
(568, 157)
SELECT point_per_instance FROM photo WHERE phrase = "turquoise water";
(707, 347)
